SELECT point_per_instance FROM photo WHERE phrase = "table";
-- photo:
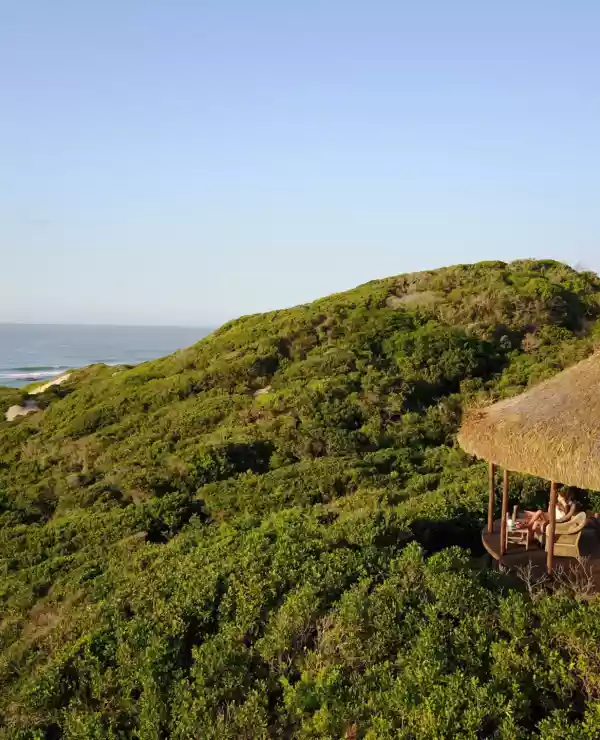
(518, 537)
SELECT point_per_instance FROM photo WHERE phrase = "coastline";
(44, 386)
(29, 405)
(40, 353)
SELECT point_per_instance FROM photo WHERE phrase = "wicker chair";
(566, 539)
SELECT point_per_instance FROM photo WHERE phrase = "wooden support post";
(504, 513)
(491, 501)
(551, 526)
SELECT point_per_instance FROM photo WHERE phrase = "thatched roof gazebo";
(551, 431)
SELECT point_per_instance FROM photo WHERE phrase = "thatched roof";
(551, 430)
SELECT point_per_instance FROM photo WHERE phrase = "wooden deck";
(517, 557)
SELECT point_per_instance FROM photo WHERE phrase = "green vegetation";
(9, 397)
(266, 534)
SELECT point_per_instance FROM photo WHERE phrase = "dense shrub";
(273, 533)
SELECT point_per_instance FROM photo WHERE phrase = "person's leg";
(529, 515)
(536, 525)
(540, 526)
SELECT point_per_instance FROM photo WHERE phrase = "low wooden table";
(518, 537)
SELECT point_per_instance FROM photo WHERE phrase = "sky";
(187, 162)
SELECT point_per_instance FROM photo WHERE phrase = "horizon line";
(103, 324)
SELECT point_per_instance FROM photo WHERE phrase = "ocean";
(32, 352)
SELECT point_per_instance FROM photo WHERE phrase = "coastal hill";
(273, 533)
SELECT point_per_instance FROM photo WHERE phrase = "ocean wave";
(32, 368)
(32, 373)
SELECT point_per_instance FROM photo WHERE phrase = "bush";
(273, 533)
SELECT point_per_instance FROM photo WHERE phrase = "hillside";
(265, 535)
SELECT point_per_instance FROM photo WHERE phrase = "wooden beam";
(551, 526)
(504, 513)
(491, 501)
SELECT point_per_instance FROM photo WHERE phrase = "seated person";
(566, 507)
(593, 520)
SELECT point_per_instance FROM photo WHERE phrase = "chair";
(566, 538)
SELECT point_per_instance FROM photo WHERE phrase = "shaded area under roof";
(552, 430)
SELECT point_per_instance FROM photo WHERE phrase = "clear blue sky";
(186, 162)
